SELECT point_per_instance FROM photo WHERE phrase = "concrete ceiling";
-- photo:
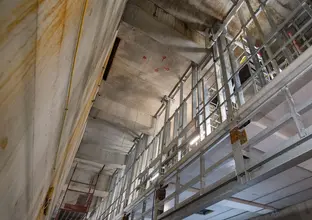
(144, 70)
(142, 73)
(197, 14)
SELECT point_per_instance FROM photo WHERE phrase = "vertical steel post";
(166, 131)
(268, 49)
(181, 111)
(218, 77)
(132, 215)
(143, 208)
(177, 188)
(294, 113)
(130, 179)
(251, 49)
(238, 156)
(227, 65)
(194, 89)
(167, 127)
(176, 124)
(271, 21)
(206, 110)
(202, 173)
(237, 82)
(123, 183)
(225, 79)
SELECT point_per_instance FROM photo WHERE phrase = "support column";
(252, 50)
(268, 49)
(218, 77)
(194, 89)
(160, 191)
(181, 112)
(177, 188)
(167, 127)
(201, 110)
(202, 173)
(143, 208)
(237, 81)
(238, 138)
(121, 191)
(294, 113)
(165, 132)
(226, 80)
(176, 124)
(131, 177)
(206, 108)
(227, 65)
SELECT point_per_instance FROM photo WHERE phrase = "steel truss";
(210, 101)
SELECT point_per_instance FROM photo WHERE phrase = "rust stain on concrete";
(20, 13)
(57, 25)
(25, 65)
(53, 31)
(4, 143)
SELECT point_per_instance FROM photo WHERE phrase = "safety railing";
(244, 60)
(76, 201)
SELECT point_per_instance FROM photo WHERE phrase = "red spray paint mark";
(163, 58)
(156, 70)
(166, 68)
(144, 57)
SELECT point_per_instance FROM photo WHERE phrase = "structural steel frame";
(73, 211)
(213, 100)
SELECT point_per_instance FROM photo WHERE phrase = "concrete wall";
(52, 56)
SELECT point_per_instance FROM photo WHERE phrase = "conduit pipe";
(69, 87)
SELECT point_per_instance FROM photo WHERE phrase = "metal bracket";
(166, 99)
(238, 138)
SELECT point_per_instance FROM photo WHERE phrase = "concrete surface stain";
(21, 12)
(26, 63)
(57, 23)
(4, 143)
(29, 59)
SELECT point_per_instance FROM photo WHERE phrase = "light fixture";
(192, 142)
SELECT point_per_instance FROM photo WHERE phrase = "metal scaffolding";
(77, 208)
(212, 104)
